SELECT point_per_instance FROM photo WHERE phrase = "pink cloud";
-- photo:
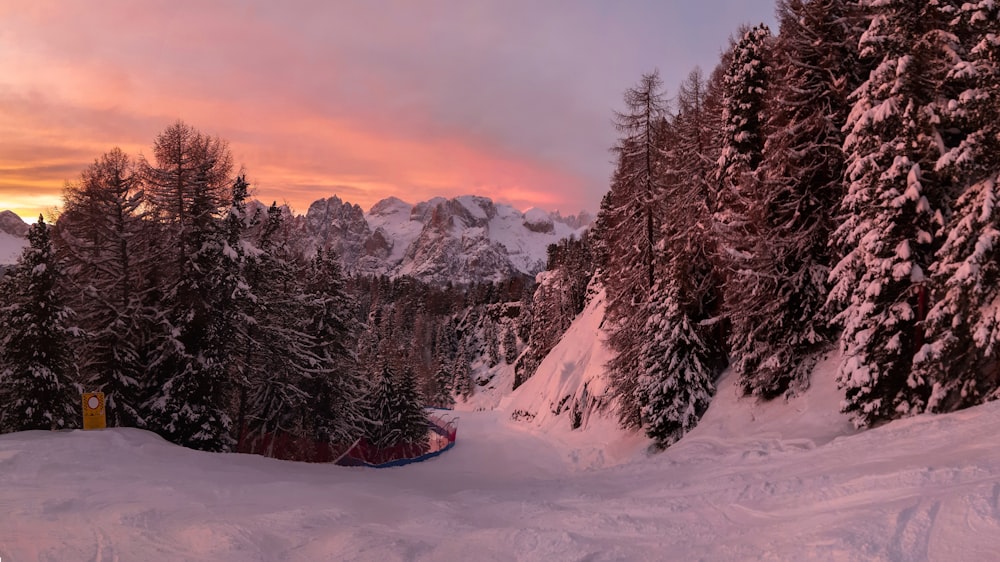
(414, 99)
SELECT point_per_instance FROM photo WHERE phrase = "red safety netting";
(441, 436)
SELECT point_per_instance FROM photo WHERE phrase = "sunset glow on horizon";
(509, 100)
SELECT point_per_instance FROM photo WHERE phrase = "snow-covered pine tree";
(409, 406)
(744, 105)
(959, 357)
(37, 375)
(778, 290)
(676, 384)
(601, 236)
(680, 352)
(101, 242)
(577, 261)
(335, 387)
(443, 381)
(462, 372)
(509, 345)
(395, 414)
(380, 431)
(492, 343)
(280, 354)
(894, 202)
(690, 198)
(191, 388)
(238, 271)
(629, 222)
(697, 128)
(745, 88)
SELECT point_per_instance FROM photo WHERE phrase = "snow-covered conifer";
(894, 203)
(462, 372)
(37, 376)
(395, 414)
(443, 382)
(963, 327)
(191, 387)
(509, 345)
(744, 109)
(335, 387)
(380, 430)
(412, 417)
(777, 290)
(103, 245)
(492, 343)
(676, 383)
(629, 223)
(745, 90)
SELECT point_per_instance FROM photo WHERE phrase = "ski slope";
(781, 481)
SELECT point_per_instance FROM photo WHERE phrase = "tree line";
(189, 308)
(203, 317)
(836, 180)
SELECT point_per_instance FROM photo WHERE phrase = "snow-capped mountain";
(458, 240)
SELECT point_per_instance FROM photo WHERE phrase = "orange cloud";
(69, 91)
(290, 155)
(315, 157)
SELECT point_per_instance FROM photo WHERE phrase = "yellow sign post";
(93, 411)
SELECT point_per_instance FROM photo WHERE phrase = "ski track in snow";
(926, 488)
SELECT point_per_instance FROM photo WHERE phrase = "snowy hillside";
(776, 482)
(11, 247)
(13, 237)
(576, 362)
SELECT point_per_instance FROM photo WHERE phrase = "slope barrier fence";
(441, 436)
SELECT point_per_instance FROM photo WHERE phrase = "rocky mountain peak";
(460, 240)
(13, 224)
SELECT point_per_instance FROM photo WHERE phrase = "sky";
(510, 99)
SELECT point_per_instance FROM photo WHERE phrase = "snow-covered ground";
(782, 481)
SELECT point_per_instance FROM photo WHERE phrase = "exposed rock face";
(335, 224)
(537, 220)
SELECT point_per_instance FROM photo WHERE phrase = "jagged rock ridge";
(460, 240)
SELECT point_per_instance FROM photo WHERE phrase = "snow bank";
(571, 379)
(925, 488)
(566, 399)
